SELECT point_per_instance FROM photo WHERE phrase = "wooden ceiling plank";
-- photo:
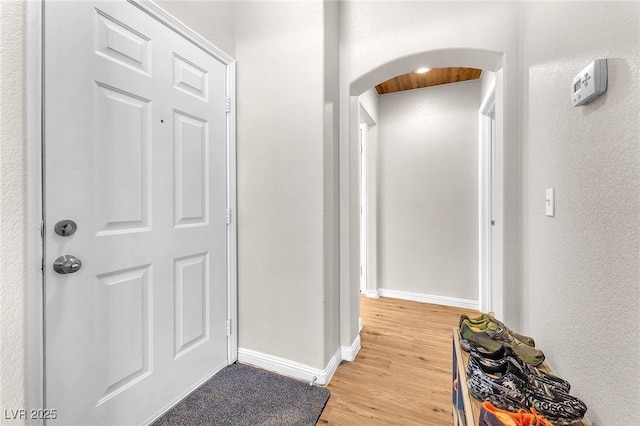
(395, 85)
(447, 77)
(435, 77)
(405, 82)
(416, 80)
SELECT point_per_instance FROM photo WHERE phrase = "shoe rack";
(466, 409)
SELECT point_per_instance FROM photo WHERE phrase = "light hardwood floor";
(402, 374)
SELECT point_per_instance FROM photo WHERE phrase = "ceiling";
(435, 77)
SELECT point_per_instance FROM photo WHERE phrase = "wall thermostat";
(590, 83)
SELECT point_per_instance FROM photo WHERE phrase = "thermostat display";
(590, 83)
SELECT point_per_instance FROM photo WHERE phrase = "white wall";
(428, 191)
(279, 49)
(213, 20)
(13, 209)
(581, 267)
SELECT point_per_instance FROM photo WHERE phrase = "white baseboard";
(426, 298)
(374, 294)
(360, 325)
(290, 368)
(349, 353)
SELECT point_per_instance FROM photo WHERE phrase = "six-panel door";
(135, 154)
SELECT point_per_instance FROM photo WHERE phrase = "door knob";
(67, 264)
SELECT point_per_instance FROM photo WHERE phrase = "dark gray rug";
(243, 395)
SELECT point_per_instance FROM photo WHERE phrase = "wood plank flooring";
(402, 374)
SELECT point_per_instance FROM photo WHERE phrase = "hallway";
(402, 374)
(295, 72)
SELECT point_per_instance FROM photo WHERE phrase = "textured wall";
(428, 191)
(13, 231)
(279, 49)
(212, 19)
(581, 278)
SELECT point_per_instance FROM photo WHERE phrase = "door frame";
(368, 281)
(35, 45)
(486, 157)
(363, 127)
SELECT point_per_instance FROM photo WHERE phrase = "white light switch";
(550, 201)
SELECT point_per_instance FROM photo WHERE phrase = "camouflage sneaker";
(497, 362)
(484, 318)
(514, 390)
(491, 337)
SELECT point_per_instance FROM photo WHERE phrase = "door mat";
(243, 395)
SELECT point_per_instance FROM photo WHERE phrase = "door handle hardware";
(65, 228)
(67, 264)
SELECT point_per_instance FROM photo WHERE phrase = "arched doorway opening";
(490, 282)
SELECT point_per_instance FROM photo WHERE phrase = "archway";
(350, 258)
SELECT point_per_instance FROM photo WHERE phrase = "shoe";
(496, 362)
(491, 337)
(514, 390)
(484, 318)
(490, 415)
(501, 352)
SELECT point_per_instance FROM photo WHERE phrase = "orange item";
(490, 415)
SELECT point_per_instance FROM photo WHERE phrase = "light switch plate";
(550, 202)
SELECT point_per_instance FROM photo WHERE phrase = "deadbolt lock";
(65, 228)
(67, 264)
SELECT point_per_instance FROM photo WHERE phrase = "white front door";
(135, 154)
